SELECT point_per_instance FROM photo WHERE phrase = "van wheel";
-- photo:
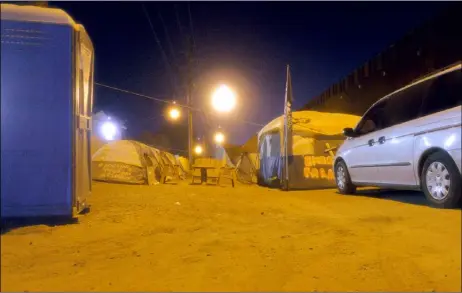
(440, 181)
(343, 180)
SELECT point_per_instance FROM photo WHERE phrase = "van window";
(445, 93)
(372, 120)
(405, 105)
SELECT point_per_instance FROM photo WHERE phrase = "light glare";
(174, 114)
(223, 100)
(219, 138)
(108, 130)
(198, 150)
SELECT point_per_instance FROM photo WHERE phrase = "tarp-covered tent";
(233, 152)
(184, 163)
(247, 168)
(125, 161)
(315, 136)
(174, 160)
(245, 160)
(221, 155)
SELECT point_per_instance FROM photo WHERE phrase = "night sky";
(244, 44)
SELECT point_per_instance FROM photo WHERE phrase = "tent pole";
(287, 120)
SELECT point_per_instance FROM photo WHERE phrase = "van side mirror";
(349, 132)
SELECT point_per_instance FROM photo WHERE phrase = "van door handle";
(381, 139)
(371, 142)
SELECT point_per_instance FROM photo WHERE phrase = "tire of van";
(348, 187)
(447, 170)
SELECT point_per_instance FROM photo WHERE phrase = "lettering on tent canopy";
(318, 167)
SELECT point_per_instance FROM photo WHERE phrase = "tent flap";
(270, 158)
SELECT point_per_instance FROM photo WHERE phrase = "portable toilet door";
(83, 107)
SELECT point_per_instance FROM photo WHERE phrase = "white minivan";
(409, 139)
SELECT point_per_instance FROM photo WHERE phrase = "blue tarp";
(270, 159)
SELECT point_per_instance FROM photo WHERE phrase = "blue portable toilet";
(47, 64)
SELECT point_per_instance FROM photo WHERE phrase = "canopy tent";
(315, 137)
(247, 168)
(245, 159)
(251, 146)
(233, 152)
(125, 161)
(221, 155)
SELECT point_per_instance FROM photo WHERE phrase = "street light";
(223, 99)
(109, 130)
(219, 138)
(174, 113)
(198, 150)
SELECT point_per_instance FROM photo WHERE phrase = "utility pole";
(189, 100)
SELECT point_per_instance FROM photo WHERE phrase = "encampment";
(315, 137)
(125, 161)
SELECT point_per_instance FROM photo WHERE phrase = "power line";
(133, 93)
(156, 117)
(242, 120)
(165, 148)
(170, 102)
(178, 20)
(164, 56)
(178, 150)
(167, 36)
(191, 25)
(252, 123)
(205, 117)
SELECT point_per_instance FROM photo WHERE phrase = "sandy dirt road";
(207, 238)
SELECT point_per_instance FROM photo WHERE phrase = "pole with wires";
(189, 102)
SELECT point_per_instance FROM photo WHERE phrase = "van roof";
(35, 14)
(453, 67)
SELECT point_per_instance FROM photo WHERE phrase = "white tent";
(124, 161)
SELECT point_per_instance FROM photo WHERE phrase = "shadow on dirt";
(404, 196)
(7, 225)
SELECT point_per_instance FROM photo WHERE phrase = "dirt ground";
(208, 238)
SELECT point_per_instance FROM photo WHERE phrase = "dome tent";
(125, 161)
